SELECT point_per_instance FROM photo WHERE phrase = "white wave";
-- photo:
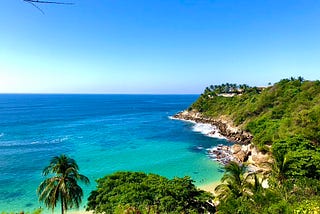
(207, 129)
(204, 128)
(14, 143)
(59, 140)
(1, 134)
(174, 118)
(200, 147)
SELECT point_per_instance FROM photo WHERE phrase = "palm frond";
(63, 186)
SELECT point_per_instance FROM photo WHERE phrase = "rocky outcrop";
(242, 151)
(249, 154)
(225, 126)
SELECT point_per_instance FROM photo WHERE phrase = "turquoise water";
(104, 133)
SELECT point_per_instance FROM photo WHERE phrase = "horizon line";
(28, 93)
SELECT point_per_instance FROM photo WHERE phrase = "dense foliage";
(288, 108)
(242, 192)
(136, 192)
(285, 116)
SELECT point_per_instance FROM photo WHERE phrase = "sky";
(156, 46)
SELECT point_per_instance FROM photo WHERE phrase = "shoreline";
(242, 151)
(209, 187)
(224, 129)
(224, 126)
(80, 212)
(212, 131)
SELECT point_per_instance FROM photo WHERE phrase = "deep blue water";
(104, 133)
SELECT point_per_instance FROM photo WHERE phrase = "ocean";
(104, 134)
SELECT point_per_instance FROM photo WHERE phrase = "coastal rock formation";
(225, 126)
(235, 148)
(259, 158)
(255, 160)
(242, 151)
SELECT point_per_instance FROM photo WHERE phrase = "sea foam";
(204, 128)
(54, 141)
(207, 129)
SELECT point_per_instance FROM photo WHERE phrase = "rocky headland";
(225, 126)
(242, 151)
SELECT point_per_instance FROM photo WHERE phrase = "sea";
(104, 134)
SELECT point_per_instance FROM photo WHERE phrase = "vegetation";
(234, 182)
(242, 192)
(62, 186)
(288, 108)
(136, 192)
(285, 120)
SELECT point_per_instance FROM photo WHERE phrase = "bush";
(137, 192)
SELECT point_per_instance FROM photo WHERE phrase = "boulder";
(241, 156)
(260, 158)
(235, 148)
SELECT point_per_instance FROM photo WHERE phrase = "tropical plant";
(62, 186)
(279, 167)
(137, 192)
(284, 119)
(234, 181)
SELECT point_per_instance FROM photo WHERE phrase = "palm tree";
(235, 181)
(62, 186)
(280, 166)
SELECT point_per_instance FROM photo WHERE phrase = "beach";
(209, 187)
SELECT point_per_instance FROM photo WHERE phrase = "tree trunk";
(62, 205)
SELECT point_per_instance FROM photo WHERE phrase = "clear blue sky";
(156, 46)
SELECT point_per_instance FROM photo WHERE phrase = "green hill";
(288, 108)
(284, 119)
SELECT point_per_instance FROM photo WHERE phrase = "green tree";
(138, 192)
(284, 119)
(234, 181)
(62, 186)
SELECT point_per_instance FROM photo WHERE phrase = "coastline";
(209, 187)
(224, 126)
(242, 151)
(80, 212)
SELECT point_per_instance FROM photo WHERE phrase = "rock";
(241, 155)
(260, 158)
(225, 126)
(265, 184)
(243, 150)
(235, 148)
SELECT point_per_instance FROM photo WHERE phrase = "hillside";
(284, 120)
(285, 116)
(288, 108)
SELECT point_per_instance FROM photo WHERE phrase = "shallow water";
(103, 133)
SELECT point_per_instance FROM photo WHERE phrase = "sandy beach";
(80, 212)
(209, 187)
